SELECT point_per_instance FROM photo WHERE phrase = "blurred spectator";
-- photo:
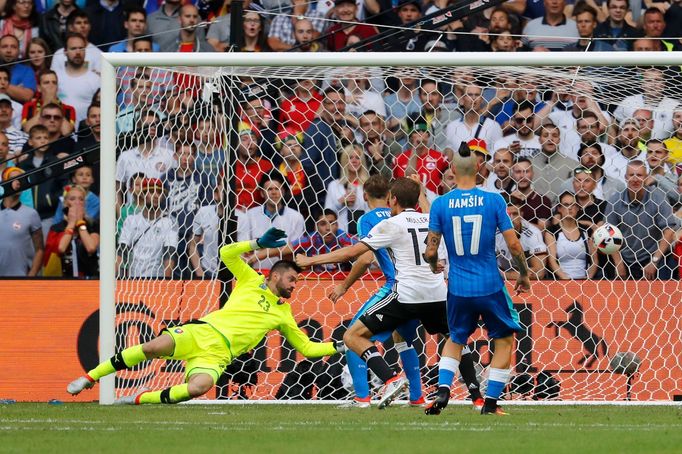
(346, 12)
(654, 84)
(382, 12)
(14, 107)
(20, 19)
(40, 57)
(21, 235)
(592, 208)
(480, 149)
(553, 31)
(528, 9)
(77, 83)
(473, 125)
(250, 167)
(45, 194)
(135, 24)
(533, 246)
(26, 198)
(551, 167)
(345, 195)
(673, 19)
(571, 253)
(48, 87)
(360, 97)
(253, 39)
(303, 37)
(437, 114)
(588, 128)
(73, 242)
(148, 239)
(646, 45)
(17, 138)
(661, 174)
(616, 27)
(51, 117)
(521, 140)
(586, 22)
(500, 180)
(646, 219)
(187, 38)
(78, 22)
(653, 26)
(404, 100)
(129, 113)
(426, 162)
(273, 213)
(53, 23)
(299, 110)
(203, 246)
(83, 177)
(135, 195)
(281, 36)
(163, 24)
(22, 84)
(380, 149)
(591, 157)
(509, 95)
(580, 104)
(627, 149)
(645, 121)
(410, 11)
(535, 208)
(301, 192)
(106, 17)
(210, 159)
(674, 143)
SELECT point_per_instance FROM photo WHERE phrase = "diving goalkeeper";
(208, 345)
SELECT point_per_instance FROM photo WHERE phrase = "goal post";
(555, 353)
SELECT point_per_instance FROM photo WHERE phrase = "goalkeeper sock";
(172, 395)
(410, 360)
(358, 372)
(447, 368)
(497, 380)
(468, 372)
(124, 359)
(378, 364)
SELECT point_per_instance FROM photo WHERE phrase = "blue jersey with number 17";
(468, 219)
(366, 222)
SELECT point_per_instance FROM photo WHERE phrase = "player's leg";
(161, 346)
(403, 338)
(198, 384)
(467, 370)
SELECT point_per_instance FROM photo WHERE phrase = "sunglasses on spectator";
(51, 117)
(523, 120)
(580, 170)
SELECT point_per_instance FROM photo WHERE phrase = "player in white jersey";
(419, 293)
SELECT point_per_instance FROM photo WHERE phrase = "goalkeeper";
(208, 345)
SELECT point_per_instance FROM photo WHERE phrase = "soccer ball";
(607, 239)
(625, 363)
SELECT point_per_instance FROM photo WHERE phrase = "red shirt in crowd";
(338, 38)
(430, 167)
(298, 114)
(246, 184)
(32, 108)
(297, 179)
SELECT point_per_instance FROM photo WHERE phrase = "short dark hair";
(525, 105)
(520, 159)
(326, 212)
(656, 141)
(587, 114)
(134, 177)
(271, 176)
(596, 146)
(76, 14)
(132, 9)
(46, 73)
(143, 39)
(406, 192)
(376, 186)
(92, 106)
(336, 90)
(5, 69)
(51, 105)
(652, 10)
(583, 7)
(284, 265)
(71, 35)
(35, 129)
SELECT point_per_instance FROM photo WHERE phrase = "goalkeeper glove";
(340, 347)
(273, 238)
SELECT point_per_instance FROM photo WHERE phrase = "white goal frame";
(110, 61)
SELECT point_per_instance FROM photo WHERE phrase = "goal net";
(230, 145)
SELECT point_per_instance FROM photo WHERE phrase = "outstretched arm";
(231, 254)
(338, 256)
(359, 268)
(431, 253)
(302, 343)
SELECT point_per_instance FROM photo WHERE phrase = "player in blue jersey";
(467, 218)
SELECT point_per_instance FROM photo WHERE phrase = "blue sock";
(358, 372)
(447, 368)
(497, 380)
(410, 360)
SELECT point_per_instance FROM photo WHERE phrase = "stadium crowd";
(564, 162)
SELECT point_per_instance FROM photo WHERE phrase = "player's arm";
(519, 258)
(284, 251)
(431, 252)
(302, 343)
(344, 254)
(359, 268)
(231, 254)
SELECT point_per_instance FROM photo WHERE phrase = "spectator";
(660, 173)
(17, 138)
(473, 125)
(616, 27)
(77, 82)
(510, 95)
(141, 99)
(653, 26)
(586, 22)
(149, 238)
(78, 22)
(674, 142)
(107, 17)
(45, 194)
(591, 157)
(328, 237)
(21, 21)
(282, 37)
(250, 167)
(53, 23)
(253, 39)
(163, 25)
(298, 111)
(553, 31)
(592, 208)
(21, 235)
(51, 117)
(136, 196)
(588, 128)
(72, 243)
(256, 113)
(582, 105)
(22, 84)
(187, 39)
(40, 57)
(533, 246)
(346, 12)
(301, 193)
(380, 150)
(345, 195)
(627, 149)
(410, 11)
(503, 41)
(135, 23)
(360, 97)
(646, 220)
(551, 167)
(14, 108)
(437, 115)
(522, 140)
(571, 253)
(273, 213)
(26, 198)
(404, 100)
(303, 37)
(83, 177)
(210, 159)
(382, 12)
(480, 149)
(654, 84)
(673, 21)
(206, 232)
(219, 32)
(501, 180)
(48, 87)
(646, 45)
(536, 208)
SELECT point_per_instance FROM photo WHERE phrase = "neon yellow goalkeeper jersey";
(253, 310)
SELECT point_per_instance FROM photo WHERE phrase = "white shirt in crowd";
(531, 241)
(156, 164)
(529, 148)
(458, 132)
(148, 239)
(336, 190)
(206, 225)
(662, 114)
(77, 91)
(572, 255)
(92, 55)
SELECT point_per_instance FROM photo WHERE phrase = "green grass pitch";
(281, 429)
